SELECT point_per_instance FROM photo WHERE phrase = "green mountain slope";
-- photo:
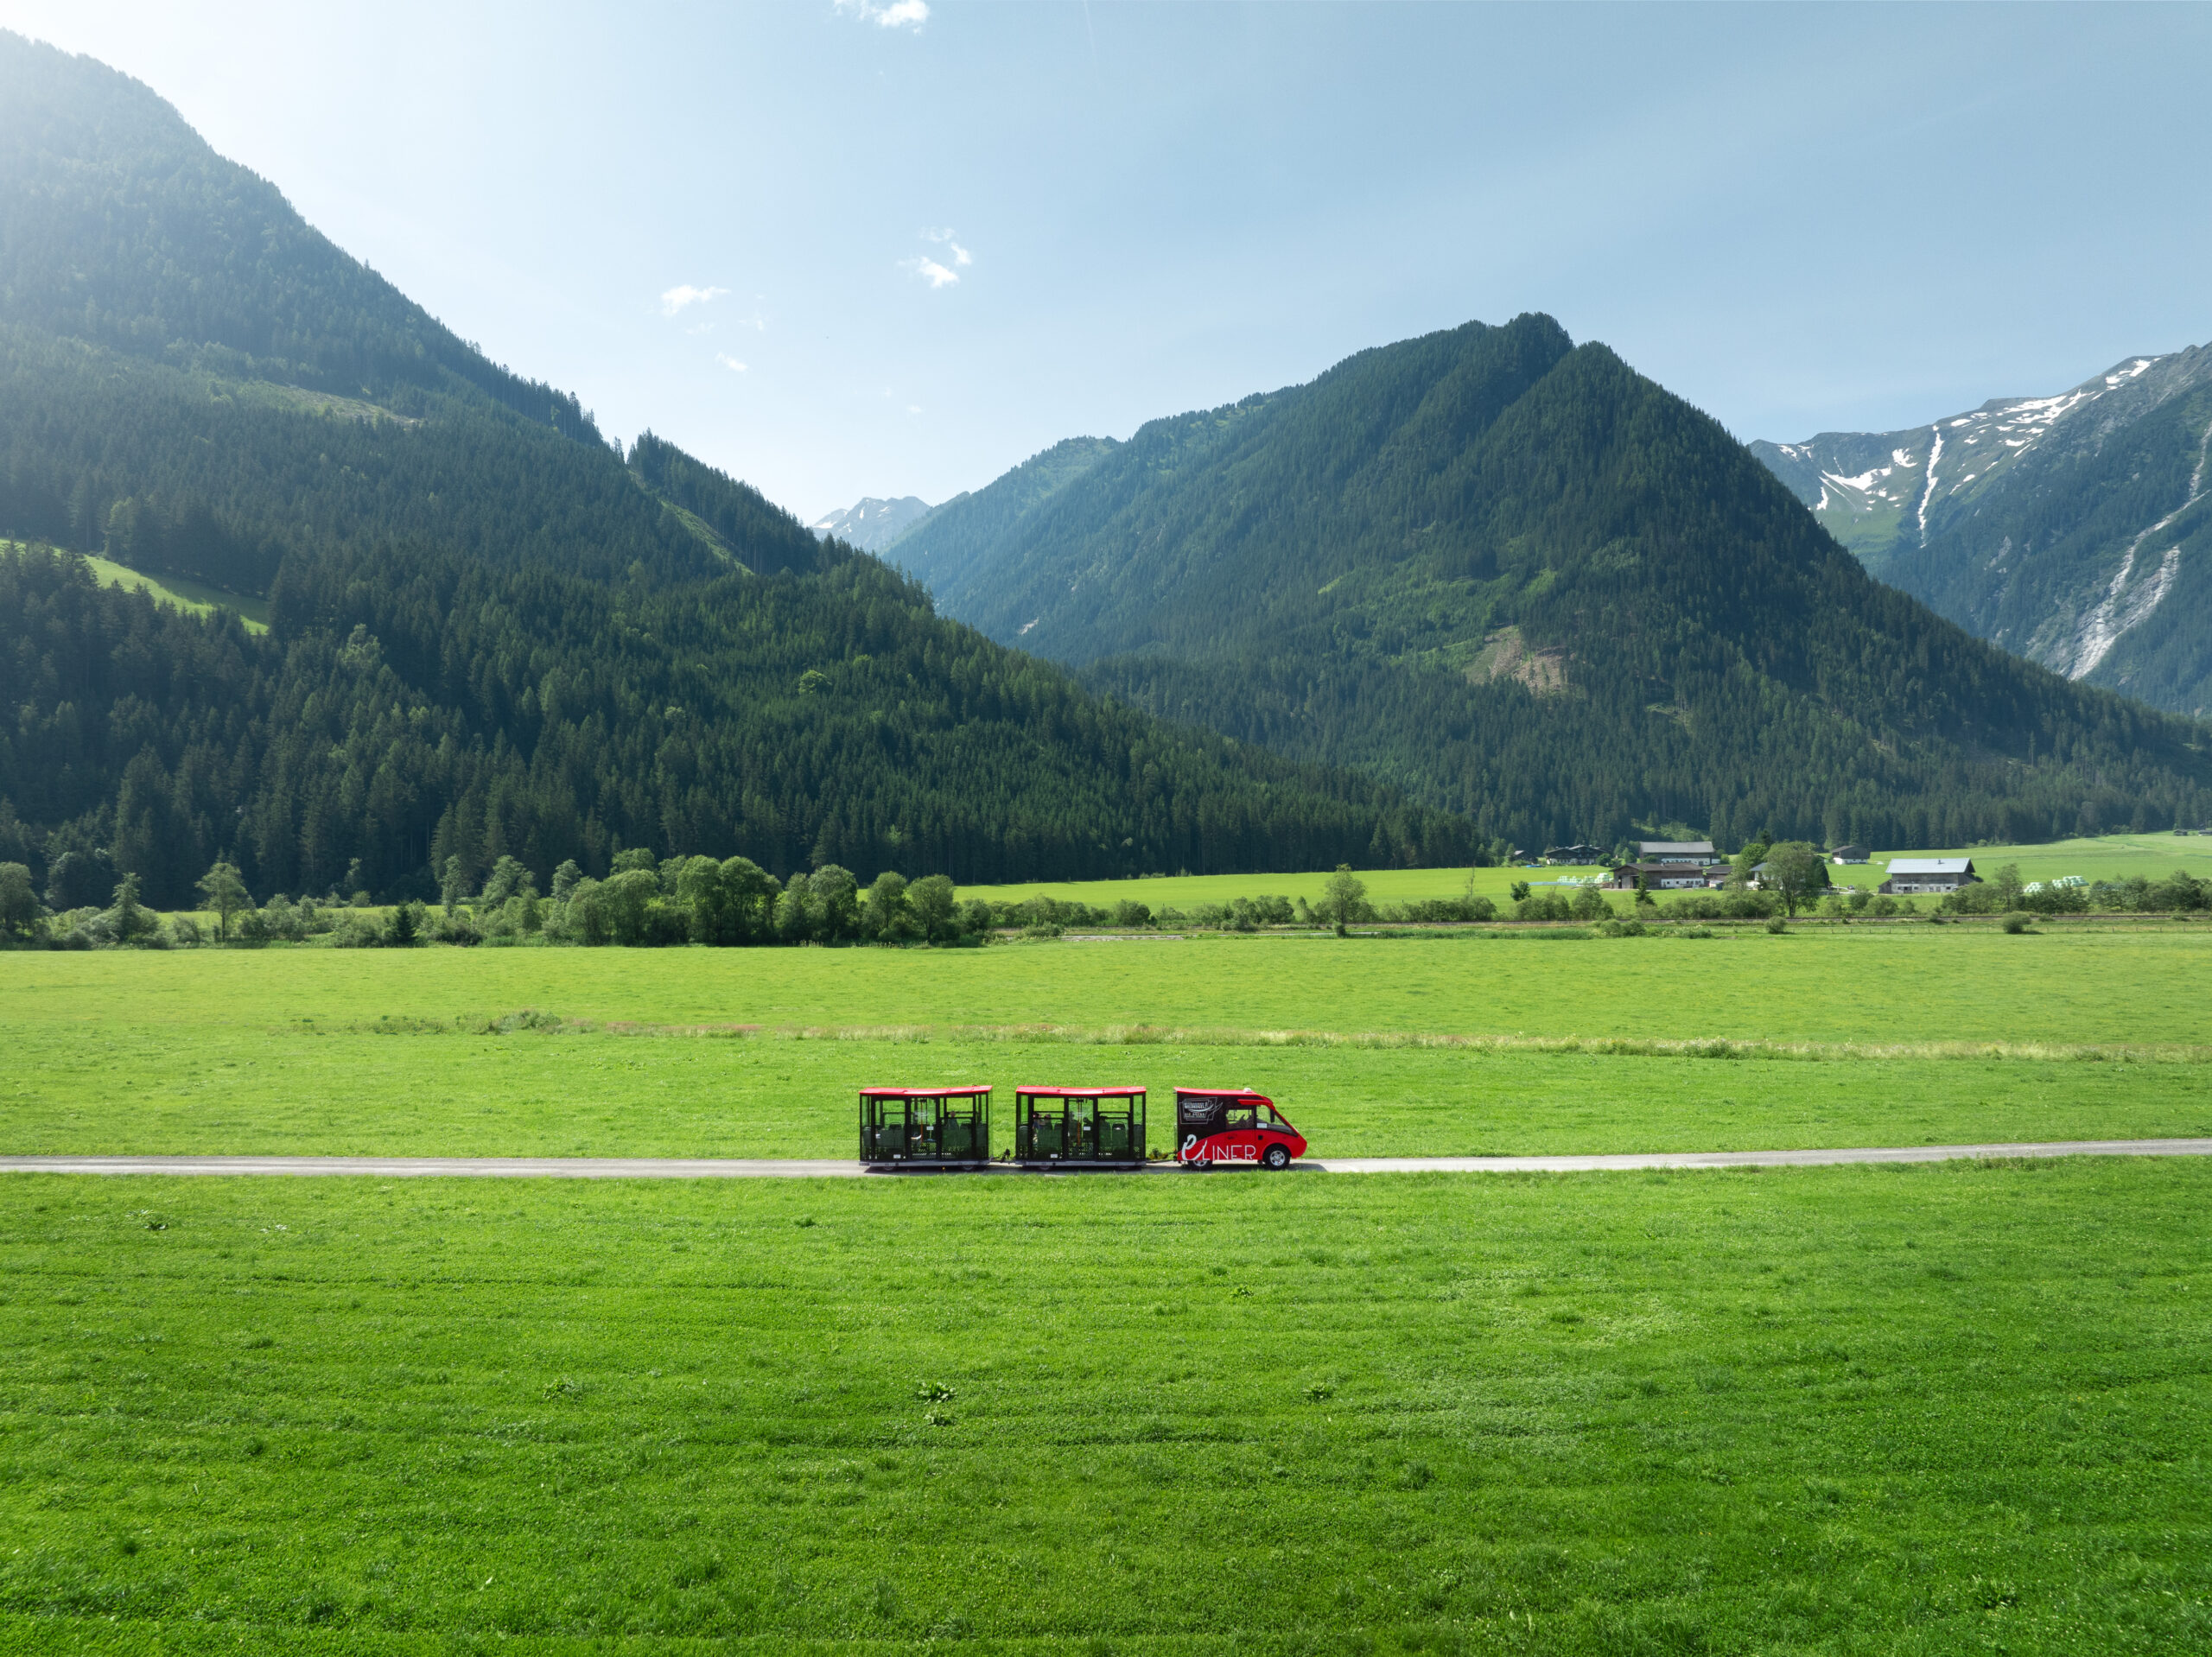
(2075, 530)
(969, 529)
(491, 630)
(1515, 577)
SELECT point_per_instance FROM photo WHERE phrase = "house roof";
(1660, 849)
(1931, 866)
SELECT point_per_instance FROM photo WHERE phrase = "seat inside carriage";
(1078, 1124)
(926, 1127)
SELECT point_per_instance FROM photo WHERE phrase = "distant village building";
(1911, 875)
(1700, 852)
(1849, 855)
(1573, 855)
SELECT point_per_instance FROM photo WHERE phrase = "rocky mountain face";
(871, 524)
(2074, 529)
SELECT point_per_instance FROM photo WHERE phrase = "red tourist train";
(1073, 1127)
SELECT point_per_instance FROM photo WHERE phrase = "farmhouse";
(1923, 874)
(1667, 876)
(1676, 851)
(1848, 855)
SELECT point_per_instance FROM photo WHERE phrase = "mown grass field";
(1939, 1409)
(2112, 857)
(305, 1050)
(1869, 984)
(196, 598)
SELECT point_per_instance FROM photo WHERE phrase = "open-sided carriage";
(1095, 1127)
(1232, 1125)
(926, 1128)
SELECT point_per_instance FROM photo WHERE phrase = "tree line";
(408, 708)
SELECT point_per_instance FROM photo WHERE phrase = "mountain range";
(492, 631)
(1483, 588)
(872, 524)
(2073, 530)
(1506, 573)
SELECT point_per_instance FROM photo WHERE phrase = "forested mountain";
(969, 531)
(872, 524)
(1512, 576)
(491, 630)
(2076, 530)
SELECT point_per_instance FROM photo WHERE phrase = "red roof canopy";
(1081, 1093)
(1221, 1093)
(925, 1093)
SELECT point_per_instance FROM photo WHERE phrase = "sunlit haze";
(849, 249)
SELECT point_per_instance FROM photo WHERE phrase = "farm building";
(1700, 852)
(1667, 876)
(1908, 875)
(1849, 855)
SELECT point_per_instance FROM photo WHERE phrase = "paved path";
(801, 1168)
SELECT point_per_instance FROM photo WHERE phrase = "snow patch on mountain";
(873, 524)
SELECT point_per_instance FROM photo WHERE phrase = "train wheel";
(1278, 1157)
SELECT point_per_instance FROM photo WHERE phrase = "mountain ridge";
(2028, 521)
(491, 632)
(1506, 573)
(872, 524)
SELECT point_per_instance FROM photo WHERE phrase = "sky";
(887, 247)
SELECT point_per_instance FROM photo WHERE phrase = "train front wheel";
(1278, 1157)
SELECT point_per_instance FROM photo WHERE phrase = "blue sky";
(848, 249)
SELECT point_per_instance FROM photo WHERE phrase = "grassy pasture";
(2111, 857)
(1872, 984)
(304, 1050)
(194, 597)
(530, 1093)
(1938, 1409)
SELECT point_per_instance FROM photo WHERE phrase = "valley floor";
(1933, 1408)
(1936, 1409)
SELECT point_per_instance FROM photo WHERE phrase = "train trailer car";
(1217, 1125)
(926, 1128)
(1079, 1127)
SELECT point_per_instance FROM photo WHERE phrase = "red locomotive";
(1215, 1126)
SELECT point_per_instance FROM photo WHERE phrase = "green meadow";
(196, 598)
(1955, 1407)
(1871, 984)
(1450, 1045)
(1937, 1409)
(2111, 857)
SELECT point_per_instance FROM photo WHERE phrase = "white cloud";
(944, 239)
(683, 294)
(898, 14)
(729, 362)
(913, 408)
(930, 271)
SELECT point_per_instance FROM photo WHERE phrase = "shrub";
(1432, 911)
(354, 932)
(2016, 923)
(1727, 905)
(1777, 925)
(455, 926)
(1129, 912)
(1542, 907)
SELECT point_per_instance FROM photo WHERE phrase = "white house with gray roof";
(1910, 875)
